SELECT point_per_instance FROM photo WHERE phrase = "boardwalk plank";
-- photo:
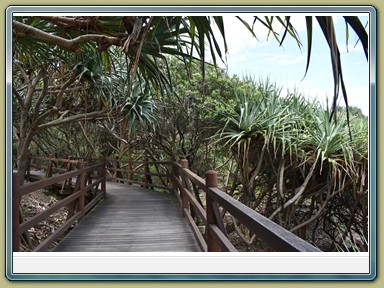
(132, 219)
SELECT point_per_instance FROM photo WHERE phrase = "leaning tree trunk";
(22, 159)
(26, 136)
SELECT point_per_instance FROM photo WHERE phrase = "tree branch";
(18, 97)
(59, 99)
(23, 73)
(132, 38)
(139, 49)
(84, 116)
(298, 193)
(43, 93)
(53, 110)
(72, 44)
(32, 88)
(115, 134)
(72, 21)
(87, 139)
(16, 132)
(258, 168)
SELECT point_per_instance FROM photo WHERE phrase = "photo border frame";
(156, 9)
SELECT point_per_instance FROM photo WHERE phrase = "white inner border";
(191, 262)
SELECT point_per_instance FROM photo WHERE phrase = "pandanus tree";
(45, 50)
(297, 167)
(46, 59)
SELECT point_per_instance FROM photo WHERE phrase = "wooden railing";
(206, 220)
(148, 174)
(76, 177)
(88, 180)
(204, 214)
(50, 165)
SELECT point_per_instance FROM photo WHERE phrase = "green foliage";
(260, 114)
(290, 143)
(138, 107)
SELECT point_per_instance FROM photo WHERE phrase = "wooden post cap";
(184, 163)
(211, 178)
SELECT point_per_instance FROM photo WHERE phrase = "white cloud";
(257, 60)
(238, 37)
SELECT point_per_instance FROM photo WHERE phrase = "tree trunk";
(22, 154)
(21, 167)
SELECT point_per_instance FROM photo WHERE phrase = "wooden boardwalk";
(132, 219)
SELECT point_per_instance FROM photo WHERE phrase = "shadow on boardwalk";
(132, 219)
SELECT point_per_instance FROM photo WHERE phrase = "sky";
(285, 65)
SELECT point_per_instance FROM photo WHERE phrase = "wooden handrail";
(52, 168)
(205, 220)
(141, 162)
(83, 175)
(154, 180)
(276, 236)
(214, 244)
(33, 186)
(185, 198)
(83, 184)
(215, 238)
(144, 178)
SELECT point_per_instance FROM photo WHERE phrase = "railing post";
(174, 174)
(184, 200)
(15, 213)
(130, 166)
(210, 181)
(50, 167)
(81, 188)
(149, 174)
(104, 176)
(67, 182)
(146, 173)
(116, 166)
(69, 169)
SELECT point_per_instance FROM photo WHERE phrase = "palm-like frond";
(294, 126)
(159, 36)
(138, 106)
(264, 116)
(327, 27)
(330, 141)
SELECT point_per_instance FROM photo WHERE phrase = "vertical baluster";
(184, 199)
(50, 167)
(175, 173)
(104, 176)
(81, 188)
(114, 176)
(146, 173)
(210, 181)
